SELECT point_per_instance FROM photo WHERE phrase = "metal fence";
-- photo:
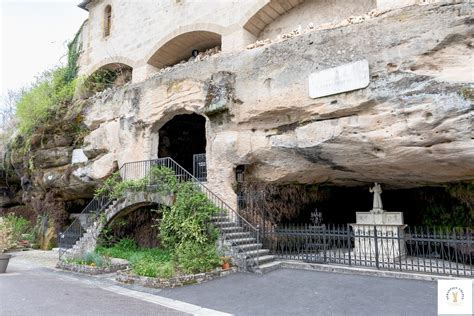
(419, 249)
(200, 167)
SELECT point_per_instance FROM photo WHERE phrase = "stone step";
(254, 253)
(224, 224)
(268, 267)
(248, 247)
(262, 259)
(219, 218)
(237, 235)
(233, 229)
(240, 241)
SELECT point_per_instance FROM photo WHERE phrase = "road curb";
(297, 265)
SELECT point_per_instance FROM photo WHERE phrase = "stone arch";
(131, 201)
(109, 63)
(179, 44)
(265, 12)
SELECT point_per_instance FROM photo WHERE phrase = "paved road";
(296, 292)
(32, 290)
(36, 290)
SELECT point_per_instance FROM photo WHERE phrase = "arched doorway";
(182, 138)
(182, 47)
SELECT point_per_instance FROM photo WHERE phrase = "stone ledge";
(128, 278)
(90, 269)
(288, 264)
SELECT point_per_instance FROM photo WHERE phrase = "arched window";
(107, 20)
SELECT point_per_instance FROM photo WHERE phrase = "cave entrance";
(275, 204)
(183, 139)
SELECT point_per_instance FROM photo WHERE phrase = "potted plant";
(225, 263)
(4, 259)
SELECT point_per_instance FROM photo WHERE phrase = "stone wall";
(317, 12)
(139, 29)
(129, 278)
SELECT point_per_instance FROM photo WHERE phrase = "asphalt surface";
(35, 290)
(41, 291)
(297, 292)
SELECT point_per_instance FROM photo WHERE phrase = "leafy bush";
(160, 179)
(152, 267)
(124, 249)
(39, 103)
(12, 229)
(188, 219)
(19, 225)
(100, 80)
(6, 235)
(94, 259)
(192, 257)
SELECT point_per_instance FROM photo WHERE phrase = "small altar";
(379, 233)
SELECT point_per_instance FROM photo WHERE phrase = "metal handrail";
(194, 179)
(76, 229)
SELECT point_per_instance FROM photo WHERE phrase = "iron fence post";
(349, 242)
(258, 241)
(376, 247)
(324, 245)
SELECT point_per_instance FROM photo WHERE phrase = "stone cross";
(377, 206)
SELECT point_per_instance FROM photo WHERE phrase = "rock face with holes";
(411, 126)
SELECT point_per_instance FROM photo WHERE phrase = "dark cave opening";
(183, 137)
(294, 203)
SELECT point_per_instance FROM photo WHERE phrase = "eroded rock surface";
(411, 126)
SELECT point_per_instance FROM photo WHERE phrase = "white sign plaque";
(340, 79)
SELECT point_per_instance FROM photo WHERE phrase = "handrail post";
(376, 248)
(258, 241)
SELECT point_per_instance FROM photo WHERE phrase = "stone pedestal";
(379, 234)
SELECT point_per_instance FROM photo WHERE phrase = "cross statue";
(377, 190)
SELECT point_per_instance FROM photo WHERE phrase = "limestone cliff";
(412, 126)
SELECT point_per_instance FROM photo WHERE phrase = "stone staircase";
(88, 241)
(245, 249)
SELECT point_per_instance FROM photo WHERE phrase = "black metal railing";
(422, 250)
(69, 237)
(200, 167)
(139, 170)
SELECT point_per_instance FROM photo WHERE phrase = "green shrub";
(164, 178)
(93, 258)
(124, 249)
(188, 219)
(196, 258)
(153, 268)
(160, 179)
(19, 226)
(152, 263)
(165, 270)
(100, 80)
(39, 103)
